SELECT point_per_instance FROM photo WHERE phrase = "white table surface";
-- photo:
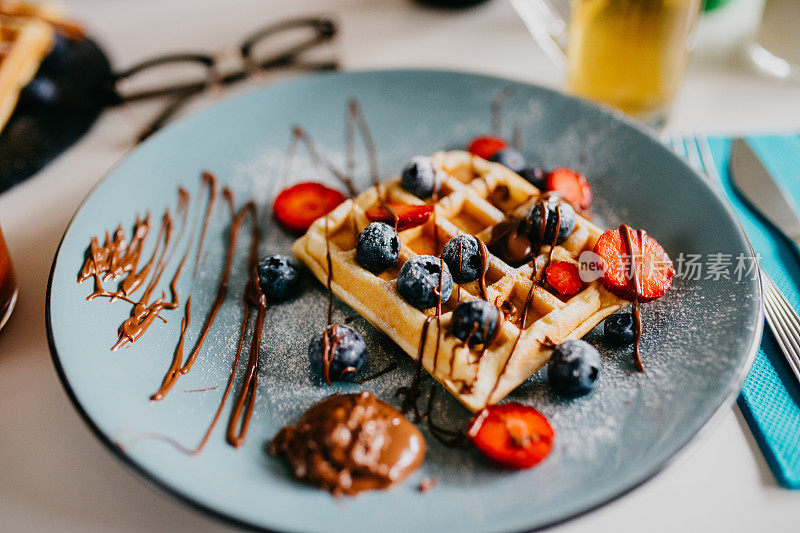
(54, 474)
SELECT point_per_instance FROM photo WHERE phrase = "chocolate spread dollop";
(348, 443)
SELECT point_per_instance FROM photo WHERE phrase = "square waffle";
(24, 42)
(474, 197)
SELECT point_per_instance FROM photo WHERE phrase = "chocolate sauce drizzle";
(535, 279)
(211, 181)
(176, 370)
(329, 336)
(497, 106)
(242, 411)
(300, 135)
(355, 121)
(116, 257)
(627, 237)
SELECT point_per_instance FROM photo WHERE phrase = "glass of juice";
(8, 284)
(630, 54)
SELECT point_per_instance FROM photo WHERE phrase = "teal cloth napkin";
(770, 397)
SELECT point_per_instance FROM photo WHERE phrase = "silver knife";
(760, 189)
(757, 185)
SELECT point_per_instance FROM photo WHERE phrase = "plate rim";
(164, 488)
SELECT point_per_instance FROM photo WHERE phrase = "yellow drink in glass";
(630, 54)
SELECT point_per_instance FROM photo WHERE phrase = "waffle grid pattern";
(474, 197)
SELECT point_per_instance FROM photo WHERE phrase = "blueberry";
(475, 321)
(619, 329)
(510, 158)
(279, 277)
(554, 207)
(420, 177)
(573, 368)
(58, 58)
(378, 247)
(418, 281)
(348, 351)
(463, 258)
(536, 176)
(40, 93)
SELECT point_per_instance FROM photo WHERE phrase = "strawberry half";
(564, 277)
(512, 435)
(408, 215)
(654, 268)
(486, 146)
(301, 204)
(571, 185)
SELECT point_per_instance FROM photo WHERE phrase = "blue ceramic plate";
(698, 340)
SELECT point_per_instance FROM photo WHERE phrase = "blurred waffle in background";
(27, 35)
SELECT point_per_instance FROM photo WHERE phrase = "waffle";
(474, 197)
(27, 34)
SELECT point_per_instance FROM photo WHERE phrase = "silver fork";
(781, 317)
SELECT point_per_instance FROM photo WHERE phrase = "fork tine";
(708, 159)
(678, 146)
(693, 154)
(783, 307)
(778, 328)
(781, 317)
(779, 322)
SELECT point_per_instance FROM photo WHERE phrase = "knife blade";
(756, 184)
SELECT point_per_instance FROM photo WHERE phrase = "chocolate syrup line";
(183, 211)
(213, 184)
(517, 137)
(173, 375)
(143, 314)
(357, 119)
(215, 387)
(245, 402)
(177, 357)
(484, 266)
(115, 257)
(448, 437)
(529, 296)
(352, 370)
(410, 394)
(242, 411)
(438, 313)
(329, 335)
(636, 287)
(249, 385)
(135, 279)
(500, 316)
(175, 302)
(497, 107)
(318, 160)
(94, 250)
(210, 429)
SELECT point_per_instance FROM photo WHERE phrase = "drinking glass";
(8, 284)
(774, 51)
(630, 54)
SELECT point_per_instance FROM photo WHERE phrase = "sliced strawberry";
(486, 146)
(408, 215)
(301, 204)
(654, 268)
(564, 277)
(512, 435)
(571, 185)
